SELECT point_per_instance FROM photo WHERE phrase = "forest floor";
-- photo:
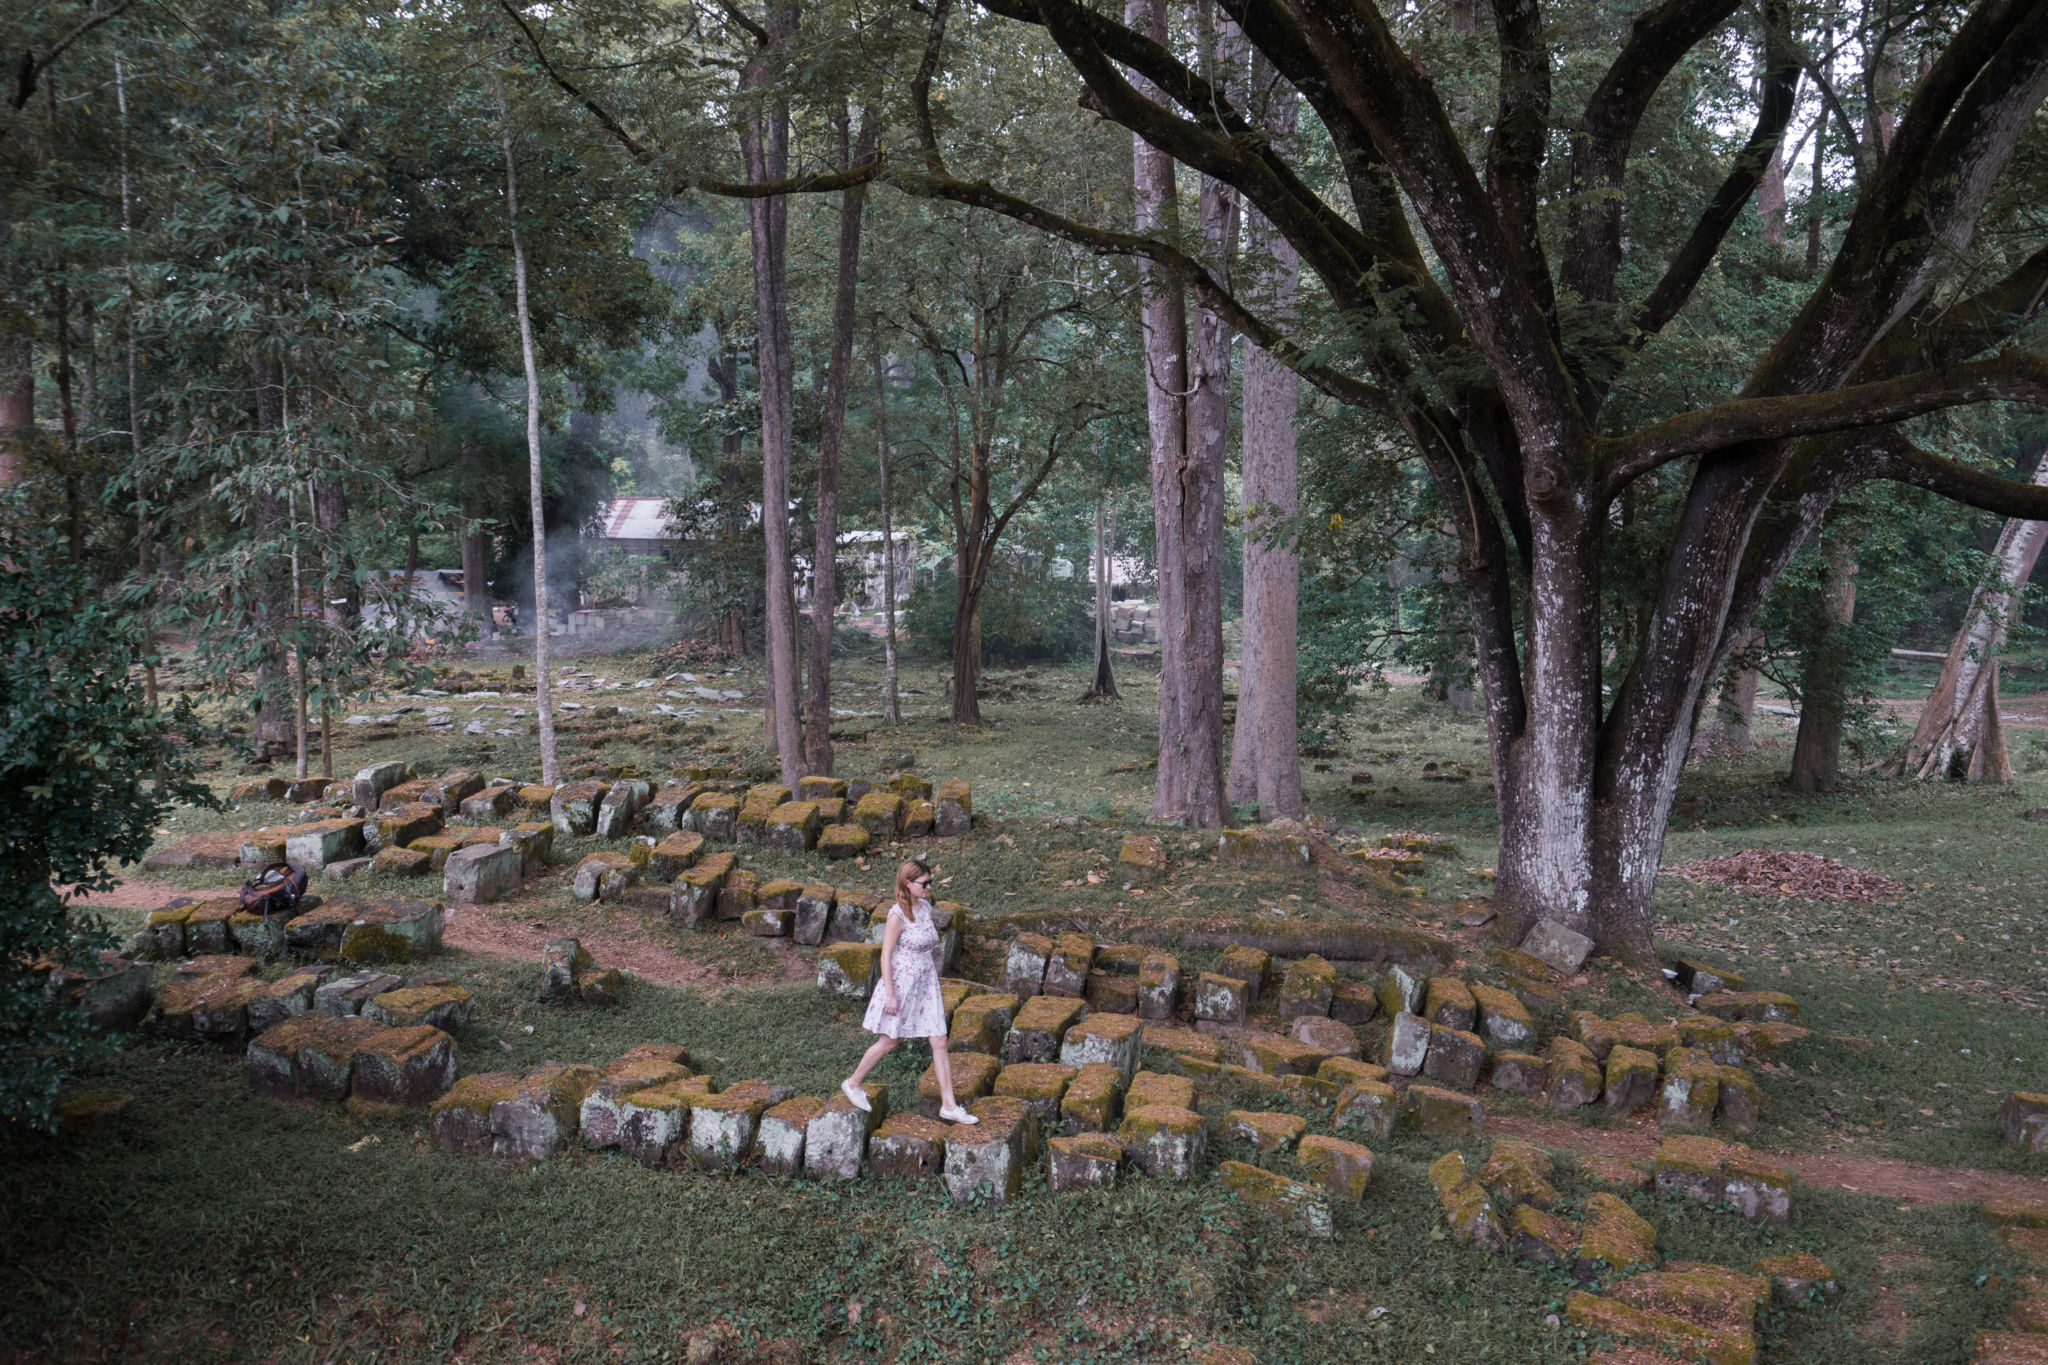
(211, 1223)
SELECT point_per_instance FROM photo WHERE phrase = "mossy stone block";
(1149, 1088)
(1040, 1085)
(1118, 1039)
(674, 855)
(1448, 1001)
(1266, 1132)
(1576, 1077)
(1542, 1237)
(460, 1120)
(1631, 1079)
(1455, 1057)
(1093, 1099)
(919, 819)
(1040, 1028)
(1343, 1168)
(1024, 965)
(400, 1068)
(1087, 1160)
(880, 813)
(974, 1075)
(840, 842)
(1220, 999)
(908, 1147)
(1305, 1207)
(1067, 966)
(1438, 1112)
(952, 809)
(1164, 1141)
(1658, 1331)
(1307, 987)
(1519, 1073)
(849, 969)
(1278, 1056)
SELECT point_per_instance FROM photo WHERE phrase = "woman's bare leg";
(870, 1059)
(942, 1063)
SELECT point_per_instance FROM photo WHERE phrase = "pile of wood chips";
(1775, 872)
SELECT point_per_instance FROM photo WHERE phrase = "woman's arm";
(892, 931)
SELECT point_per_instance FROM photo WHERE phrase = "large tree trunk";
(825, 554)
(892, 707)
(966, 652)
(1959, 734)
(1735, 707)
(764, 143)
(1824, 674)
(543, 680)
(17, 377)
(1190, 781)
(1265, 753)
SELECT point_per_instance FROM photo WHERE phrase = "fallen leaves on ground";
(1776, 872)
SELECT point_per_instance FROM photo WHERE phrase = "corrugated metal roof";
(637, 519)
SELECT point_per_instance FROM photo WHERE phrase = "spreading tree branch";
(1901, 461)
(31, 67)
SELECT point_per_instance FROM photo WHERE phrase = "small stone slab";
(1761, 1007)
(1542, 1237)
(602, 1118)
(1660, 1331)
(1265, 1132)
(1093, 1099)
(723, 1126)
(1455, 1057)
(981, 1022)
(443, 1006)
(952, 809)
(1797, 1278)
(1176, 1043)
(1158, 985)
(1369, 1106)
(1117, 1039)
(1083, 1161)
(1406, 1051)
(1306, 1207)
(1467, 1208)
(1277, 1056)
(1252, 966)
(573, 808)
(849, 969)
(908, 1147)
(1307, 987)
(1329, 1036)
(779, 1140)
(1024, 967)
(974, 1075)
(1448, 1001)
(1630, 1079)
(482, 874)
(1221, 999)
(1715, 1172)
(985, 1161)
(1576, 1077)
(1343, 1168)
(540, 1116)
(1519, 1172)
(654, 1121)
(1503, 1020)
(1442, 1113)
(1557, 946)
(2025, 1117)
(1041, 1086)
(1152, 1088)
(1164, 1141)
(1519, 1073)
(1067, 967)
(460, 1120)
(836, 1138)
(1040, 1028)
(400, 1068)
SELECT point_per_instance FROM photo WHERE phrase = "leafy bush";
(1025, 617)
(79, 752)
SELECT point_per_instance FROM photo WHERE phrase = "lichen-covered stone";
(1039, 1029)
(1307, 987)
(693, 897)
(1448, 1001)
(482, 873)
(1143, 857)
(1576, 1077)
(621, 803)
(675, 854)
(1343, 1168)
(1689, 1094)
(1503, 1020)
(1706, 1295)
(1542, 1237)
(852, 911)
(665, 810)
(654, 1121)
(1024, 966)
(1278, 1056)
(1117, 1039)
(287, 997)
(1762, 1007)
(540, 1116)
(1467, 1210)
(981, 1022)
(737, 895)
(1309, 1091)
(272, 1059)
(209, 925)
(1263, 848)
(320, 1051)
(603, 876)
(1263, 1131)
(840, 842)
(311, 847)
(793, 826)
(1613, 1238)
(1158, 985)
(1518, 1172)
(1221, 999)
(1519, 1073)
(974, 1075)
(443, 1006)
(400, 826)
(1660, 1331)
(1438, 1112)
(1406, 1050)
(714, 815)
(536, 798)
(1066, 967)
(880, 813)
(1110, 992)
(722, 1127)
(1093, 1100)
(1797, 1278)
(2025, 1117)
(908, 1147)
(1149, 1088)
(346, 995)
(1557, 946)
(1401, 991)
(984, 1163)
(1455, 1057)
(1042, 1086)
(1164, 1141)
(953, 809)
(460, 1120)
(1174, 1043)
(1630, 1079)
(849, 969)
(563, 962)
(601, 1120)
(1252, 966)
(1330, 1036)
(813, 912)
(400, 1068)
(836, 1138)
(919, 818)
(573, 808)
(1088, 1160)
(533, 842)
(1714, 1172)
(1306, 1207)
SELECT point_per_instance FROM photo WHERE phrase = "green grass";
(215, 1224)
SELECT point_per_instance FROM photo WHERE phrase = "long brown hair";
(906, 874)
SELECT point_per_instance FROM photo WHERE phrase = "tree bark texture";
(892, 706)
(1959, 734)
(543, 680)
(764, 144)
(1187, 508)
(1265, 751)
(838, 382)
(1824, 674)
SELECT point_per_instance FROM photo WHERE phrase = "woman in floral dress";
(906, 1002)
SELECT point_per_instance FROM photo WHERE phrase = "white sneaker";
(856, 1097)
(958, 1115)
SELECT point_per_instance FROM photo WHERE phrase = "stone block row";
(395, 929)
(372, 1066)
(1121, 978)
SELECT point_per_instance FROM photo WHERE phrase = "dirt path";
(1909, 1182)
(625, 942)
(137, 896)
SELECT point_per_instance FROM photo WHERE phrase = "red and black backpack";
(276, 890)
